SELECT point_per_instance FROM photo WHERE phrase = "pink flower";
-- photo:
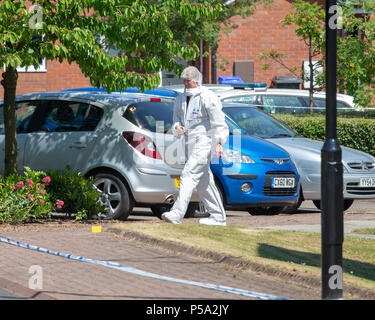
(59, 204)
(30, 183)
(13, 188)
(30, 196)
(42, 192)
(20, 185)
(42, 201)
(46, 180)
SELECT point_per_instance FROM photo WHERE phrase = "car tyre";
(190, 212)
(294, 208)
(114, 194)
(347, 203)
(267, 211)
(159, 209)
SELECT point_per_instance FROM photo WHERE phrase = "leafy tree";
(308, 18)
(356, 52)
(209, 30)
(355, 45)
(71, 30)
(309, 21)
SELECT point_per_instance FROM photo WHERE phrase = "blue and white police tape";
(121, 267)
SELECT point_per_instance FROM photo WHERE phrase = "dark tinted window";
(152, 116)
(67, 116)
(24, 112)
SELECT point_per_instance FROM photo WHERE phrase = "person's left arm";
(219, 129)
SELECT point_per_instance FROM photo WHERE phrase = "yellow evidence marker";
(96, 229)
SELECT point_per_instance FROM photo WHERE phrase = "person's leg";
(190, 177)
(210, 196)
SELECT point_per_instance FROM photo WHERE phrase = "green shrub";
(24, 199)
(76, 192)
(357, 133)
(36, 194)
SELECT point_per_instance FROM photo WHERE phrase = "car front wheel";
(114, 195)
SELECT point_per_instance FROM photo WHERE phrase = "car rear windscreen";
(151, 115)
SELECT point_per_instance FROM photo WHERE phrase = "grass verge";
(370, 231)
(296, 254)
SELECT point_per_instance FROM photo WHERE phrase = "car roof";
(294, 92)
(156, 91)
(101, 97)
(213, 87)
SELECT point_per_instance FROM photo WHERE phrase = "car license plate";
(283, 182)
(177, 182)
(367, 182)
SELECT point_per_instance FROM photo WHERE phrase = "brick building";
(52, 76)
(239, 52)
(258, 33)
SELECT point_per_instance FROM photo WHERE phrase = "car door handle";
(77, 145)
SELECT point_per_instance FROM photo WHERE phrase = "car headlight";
(233, 156)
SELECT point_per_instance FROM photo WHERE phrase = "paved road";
(68, 279)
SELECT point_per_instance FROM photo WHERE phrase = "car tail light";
(155, 99)
(142, 143)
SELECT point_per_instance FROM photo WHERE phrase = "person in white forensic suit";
(199, 117)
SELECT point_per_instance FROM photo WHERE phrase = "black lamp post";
(332, 174)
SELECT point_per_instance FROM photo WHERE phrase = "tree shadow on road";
(353, 267)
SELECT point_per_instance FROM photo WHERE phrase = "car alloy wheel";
(113, 194)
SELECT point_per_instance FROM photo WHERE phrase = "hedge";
(356, 133)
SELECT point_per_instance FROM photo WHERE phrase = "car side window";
(24, 112)
(66, 116)
(243, 99)
(343, 105)
(321, 104)
(283, 104)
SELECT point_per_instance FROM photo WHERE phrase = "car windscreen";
(151, 115)
(257, 123)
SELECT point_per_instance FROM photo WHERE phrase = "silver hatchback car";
(99, 135)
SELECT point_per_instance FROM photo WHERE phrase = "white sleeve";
(177, 107)
(219, 129)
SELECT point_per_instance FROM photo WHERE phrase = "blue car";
(253, 174)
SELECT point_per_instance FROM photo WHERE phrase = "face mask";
(191, 91)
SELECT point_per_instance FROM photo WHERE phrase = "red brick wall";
(258, 33)
(58, 76)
